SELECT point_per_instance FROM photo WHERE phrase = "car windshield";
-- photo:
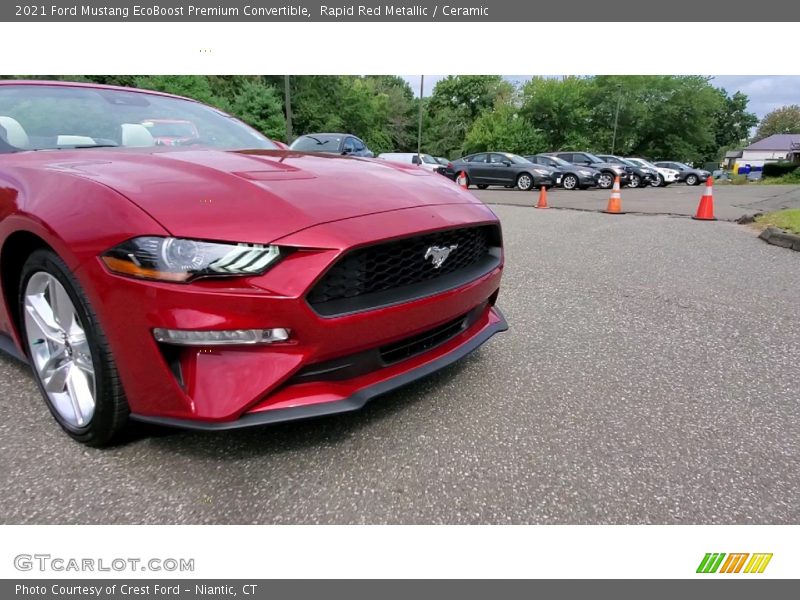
(593, 158)
(428, 159)
(317, 143)
(50, 117)
(170, 128)
(559, 161)
(641, 162)
(682, 165)
(614, 160)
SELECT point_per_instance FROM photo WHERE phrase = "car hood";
(255, 196)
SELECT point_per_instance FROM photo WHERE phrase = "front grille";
(393, 272)
(355, 365)
(423, 342)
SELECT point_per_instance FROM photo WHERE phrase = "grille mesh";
(399, 264)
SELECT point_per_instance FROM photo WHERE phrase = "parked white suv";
(665, 176)
(426, 161)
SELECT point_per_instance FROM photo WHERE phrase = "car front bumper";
(351, 395)
(233, 386)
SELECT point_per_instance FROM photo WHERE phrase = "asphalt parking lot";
(730, 201)
(649, 376)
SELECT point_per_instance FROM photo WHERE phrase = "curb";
(779, 237)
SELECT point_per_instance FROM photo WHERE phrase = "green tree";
(561, 109)
(733, 122)
(457, 101)
(504, 129)
(196, 87)
(259, 106)
(781, 120)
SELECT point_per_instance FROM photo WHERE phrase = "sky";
(766, 92)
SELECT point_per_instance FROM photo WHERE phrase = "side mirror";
(507, 163)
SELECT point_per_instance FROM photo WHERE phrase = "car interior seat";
(14, 133)
(74, 140)
(136, 135)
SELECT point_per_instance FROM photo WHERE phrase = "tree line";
(658, 116)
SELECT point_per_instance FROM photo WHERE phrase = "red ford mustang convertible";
(222, 282)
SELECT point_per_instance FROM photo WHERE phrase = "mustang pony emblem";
(439, 254)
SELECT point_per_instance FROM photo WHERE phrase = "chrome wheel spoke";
(80, 394)
(63, 311)
(41, 318)
(55, 381)
(82, 355)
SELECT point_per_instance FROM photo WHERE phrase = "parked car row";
(572, 170)
(569, 170)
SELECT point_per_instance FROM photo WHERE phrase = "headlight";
(180, 260)
(585, 173)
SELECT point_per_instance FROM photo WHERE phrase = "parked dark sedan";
(332, 143)
(688, 175)
(608, 171)
(502, 168)
(640, 176)
(573, 177)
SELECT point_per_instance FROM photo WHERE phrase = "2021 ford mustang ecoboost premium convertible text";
(220, 281)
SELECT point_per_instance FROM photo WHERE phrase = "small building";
(781, 146)
(778, 147)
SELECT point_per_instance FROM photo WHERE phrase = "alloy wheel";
(59, 349)
(605, 181)
(570, 182)
(524, 182)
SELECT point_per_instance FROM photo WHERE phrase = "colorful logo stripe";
(734, 562)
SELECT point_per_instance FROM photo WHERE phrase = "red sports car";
(226, 283)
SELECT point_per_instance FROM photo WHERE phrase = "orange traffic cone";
(542, 198)
(462, 180)
(615, 201)
(705, 210)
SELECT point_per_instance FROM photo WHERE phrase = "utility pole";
(419, 129)
(287, 98)
(616, 119)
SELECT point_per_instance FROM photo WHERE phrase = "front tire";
(606, 181)
(635, 181)
(69, 354)
(692, 180)
(524, 182)
(570, 182)
(658, 182)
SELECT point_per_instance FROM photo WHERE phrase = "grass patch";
(788, 219)
(792, 178)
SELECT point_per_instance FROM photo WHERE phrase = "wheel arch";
(15, 251)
